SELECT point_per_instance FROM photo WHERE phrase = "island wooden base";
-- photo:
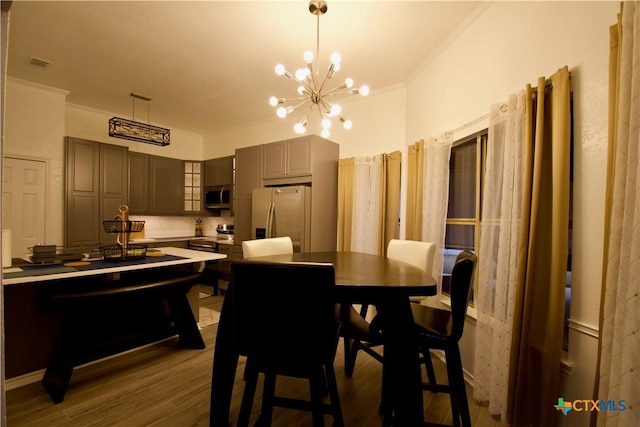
(115, 330)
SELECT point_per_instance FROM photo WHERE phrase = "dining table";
(360, 278)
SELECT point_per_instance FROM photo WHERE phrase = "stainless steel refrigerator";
(283, 211)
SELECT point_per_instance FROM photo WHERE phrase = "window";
(466, 171)
(466, 168)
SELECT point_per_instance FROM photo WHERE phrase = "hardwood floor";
(165, 386)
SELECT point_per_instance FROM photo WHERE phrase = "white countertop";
(190, 256)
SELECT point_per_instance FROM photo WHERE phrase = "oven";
(206, 245)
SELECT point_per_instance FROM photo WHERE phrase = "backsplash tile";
(178, 226)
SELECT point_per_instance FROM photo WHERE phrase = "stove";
(206, 245)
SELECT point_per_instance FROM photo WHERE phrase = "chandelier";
(311, 88)
(139, 131)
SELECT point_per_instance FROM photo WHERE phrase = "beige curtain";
(392, 198)
(413, 226)
(368, 202)
(619, 340)
(345, 203)
(534, 370)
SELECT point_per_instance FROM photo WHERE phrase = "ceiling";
(209, 65)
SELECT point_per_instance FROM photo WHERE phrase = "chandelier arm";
(300, 104)
(333, 91)
(329, 73)
(330, 94)
(295, 99)
(325, 105)
(323, 115)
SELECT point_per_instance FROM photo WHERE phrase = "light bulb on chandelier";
(312, 90)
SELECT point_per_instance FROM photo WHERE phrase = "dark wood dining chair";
(283, 337)
(442, 329)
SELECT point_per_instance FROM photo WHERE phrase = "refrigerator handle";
(269, 220)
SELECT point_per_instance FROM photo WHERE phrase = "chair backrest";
(283, 313)
(461, 286)
(419, 254)
(264, 247)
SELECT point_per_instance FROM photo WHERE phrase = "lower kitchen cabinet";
(218, 272)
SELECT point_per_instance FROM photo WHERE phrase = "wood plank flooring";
(165, 386)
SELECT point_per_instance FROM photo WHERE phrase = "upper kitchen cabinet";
(138, 183)
(218, 171)
(192, 187)
(165, 186)
(294, 161)
(248, 170)
(96, 184)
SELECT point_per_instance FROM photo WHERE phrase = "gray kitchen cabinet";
(218, 171)
(96, 184)
(138, 183)
(248, 177)
(165, 185)
(248, 170)
(290, 158)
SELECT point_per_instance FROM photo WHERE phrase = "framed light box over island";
(61, 316)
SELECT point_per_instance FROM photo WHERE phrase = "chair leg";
(460, 405)
(428, 366)
(353, 354)
(268, 394)
(348, 346)
(334, 397)
(315, 390)
(251, 381)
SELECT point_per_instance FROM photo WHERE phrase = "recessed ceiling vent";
(37, 62)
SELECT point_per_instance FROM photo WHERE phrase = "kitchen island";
(108, 307)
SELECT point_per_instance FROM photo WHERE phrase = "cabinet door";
(299, 157)
(275, 160)
(248, 170)
(82, 188)
(192, 187)
(218, 171)
(242, 221)
(138, 183)
(165, 182)
(114, 185)
(224, 171)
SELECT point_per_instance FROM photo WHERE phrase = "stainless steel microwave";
(218, 197)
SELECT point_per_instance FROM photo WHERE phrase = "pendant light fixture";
(138, 131)
(311, 88)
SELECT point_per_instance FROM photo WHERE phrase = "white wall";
(88, 123)
(34, 129)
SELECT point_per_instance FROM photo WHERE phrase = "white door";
(23, 196)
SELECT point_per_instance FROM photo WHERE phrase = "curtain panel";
(437, 154)
(415, 176)
(345, 202)
(368, 202)
(523, 254)
(497, 269)
(534, 374)
(619, 340)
